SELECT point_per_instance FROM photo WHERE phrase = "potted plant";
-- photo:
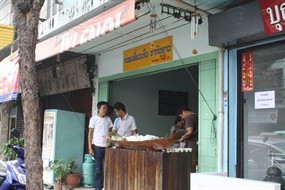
(73, 179)
(8, 152)
(60, 169)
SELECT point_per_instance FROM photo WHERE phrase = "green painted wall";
(208, 81)
(103, 92)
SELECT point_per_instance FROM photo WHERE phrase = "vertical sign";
(273, 15)
(247, 72)
(9, 78)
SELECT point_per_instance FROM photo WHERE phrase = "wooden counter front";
(128, 169)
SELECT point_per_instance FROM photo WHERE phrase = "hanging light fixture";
(194, 17)
(194, 25)
(152, 24)
(196, 20)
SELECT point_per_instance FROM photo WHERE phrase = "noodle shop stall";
(148, 165)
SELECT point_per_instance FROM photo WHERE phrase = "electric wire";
(135, 37)
(183, 63)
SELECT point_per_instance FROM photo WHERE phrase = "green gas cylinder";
(88, 171)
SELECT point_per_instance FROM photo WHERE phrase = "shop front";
(153, 90)
(254, 64)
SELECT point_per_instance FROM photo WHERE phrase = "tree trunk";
(27, 17)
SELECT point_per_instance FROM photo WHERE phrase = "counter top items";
(156, 144)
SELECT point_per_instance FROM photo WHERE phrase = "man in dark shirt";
(190, 138)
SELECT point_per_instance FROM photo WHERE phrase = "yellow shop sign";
(155, 52)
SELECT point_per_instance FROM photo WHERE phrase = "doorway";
(142, 98)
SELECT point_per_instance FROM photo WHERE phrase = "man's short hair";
(101, 103)
(183, 108)
(120, 106)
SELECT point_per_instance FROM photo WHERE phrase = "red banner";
(247, 72)
(97, 26)
(273, 15)
(9, 78)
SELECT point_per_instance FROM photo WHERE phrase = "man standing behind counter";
(190, 138)
(124, 124)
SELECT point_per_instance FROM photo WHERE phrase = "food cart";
(147, 165)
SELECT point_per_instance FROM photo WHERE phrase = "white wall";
(5, 12)
(206, 181)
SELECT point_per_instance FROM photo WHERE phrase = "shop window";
(263, 110)
(169, 101)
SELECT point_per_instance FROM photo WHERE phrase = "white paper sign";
(264, 100)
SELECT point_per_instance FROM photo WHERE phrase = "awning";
(109, 20)
(9, 78)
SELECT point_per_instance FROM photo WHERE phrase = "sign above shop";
(9, 78)
(95, 27)
(273, 15)
(152, 53)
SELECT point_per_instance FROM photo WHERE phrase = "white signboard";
(264, 100)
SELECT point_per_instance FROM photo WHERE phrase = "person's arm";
(171, 134)
(115, 127)
(189, 125)
(135, 131)
(187, 134)
(90, 137)
(134, 126)
(173, 131)
(115, 132)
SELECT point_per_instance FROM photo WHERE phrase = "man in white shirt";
(99, 127)
(124, 124)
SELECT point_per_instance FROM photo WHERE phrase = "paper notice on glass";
(264, 100)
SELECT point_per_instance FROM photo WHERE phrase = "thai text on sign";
(273, 15)
(155, 52)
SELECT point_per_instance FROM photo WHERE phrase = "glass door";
(263, 113)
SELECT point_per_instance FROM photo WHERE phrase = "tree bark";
(26, 14)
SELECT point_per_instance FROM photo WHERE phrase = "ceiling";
(139, 30)
(212, 6)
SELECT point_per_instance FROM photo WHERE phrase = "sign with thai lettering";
(95, 27)
(9, 78)
(155, 52)
(273, 15)
(247, 72)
